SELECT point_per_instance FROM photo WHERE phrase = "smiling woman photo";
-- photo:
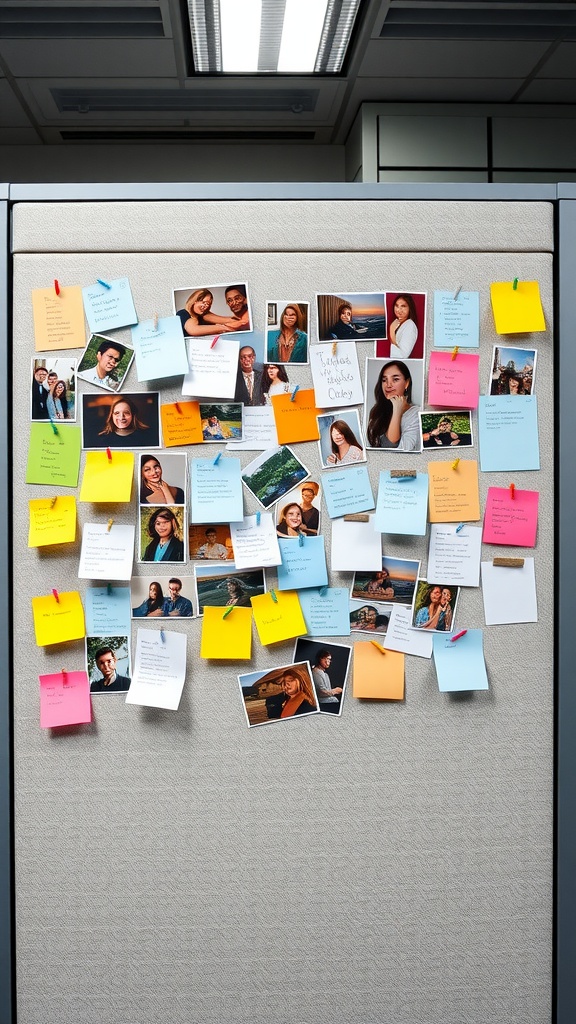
(393, 421)
(345, 448)
(289, 344)
(166, 544)
(403, 331)
(153, 488)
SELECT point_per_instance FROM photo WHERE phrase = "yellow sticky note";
(58, 319)
(453, 491)
(376, 675)
(52, 521)
(517, 310)
(229, 637)
(296, 420)
(107, 479)
(58, 620)
(278, 620)
(181, 424)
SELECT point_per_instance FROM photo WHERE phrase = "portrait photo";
(105, 362)
(369, 617)
(250, 375)
(275, 381)
(341, 442)
(435, 607)
(210, 310)
(162, 597)
(221, 587)
(162, 533)
(162, 479)
(272, 474)
(210, 542)
(287, 331)
(299, 511)
(406, 320)
(394, 391)
(450, 429)
(53, 389)
(329, 664)
(222, 421)
(278, 693)
(513, 370)
(395, 583)
(108, 663)
(351, 316)
(121, 421)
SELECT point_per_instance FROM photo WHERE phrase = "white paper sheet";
(259, 430)
(355, 546)
(106, 554)
(255, 545)
(337, 380)
(401, 637)
(213, 371)
(509, 594)
(159, 669)
(454, 557)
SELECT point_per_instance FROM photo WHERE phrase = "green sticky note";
(53, 458)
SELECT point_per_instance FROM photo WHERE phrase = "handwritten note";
(508, 432)
(296, 420)
(279, 619)
(401, 637)
(106, 554)
(109, 308)
(107, 611)
(64, 699)
(460, 665)
(453, 383)
(511, 521)
(212, 372)
(259, 430)
(225, 638)
(159, 669)
(326, 611)
(58, 319)
(52, 521)
(456, 321)
(303, 565)
(454, 557)
(509, 593)
(402, 504)
(159, 352)
(454, 493)
(53, 458)
(216, 490)
(107, 479)
(336, 378)
(377, 676)
(181, 424)
(347, 491)
(58, 620)
(255, 543)
(517, 310)
(355, 546)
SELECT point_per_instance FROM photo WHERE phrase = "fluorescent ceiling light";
(267, 36)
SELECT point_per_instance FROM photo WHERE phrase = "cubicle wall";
(394, 864)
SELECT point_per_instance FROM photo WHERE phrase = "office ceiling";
(122, 70)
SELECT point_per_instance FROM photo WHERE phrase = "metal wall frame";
(564, 198)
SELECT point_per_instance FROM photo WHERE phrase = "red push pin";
(56, 595)
(178, 409)
(109, 454)
(56, 287)
(214, 341)
(512, 490)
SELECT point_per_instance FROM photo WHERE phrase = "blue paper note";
(460, 664)
(347, 491)
(303, 565)
(326, 611)
(216, 490)
(508, 432)
(107, 614)
(109, 308)
(402, 504)
(456, 321)
(160, 353)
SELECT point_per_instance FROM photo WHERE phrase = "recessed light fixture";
(266, 36)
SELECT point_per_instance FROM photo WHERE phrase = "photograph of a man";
(105, 362)
(249, 378)
(329, 664)
(175, 605)
(105, 661)
(40, 392)
(237, 300)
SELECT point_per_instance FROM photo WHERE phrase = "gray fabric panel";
(392, 865)
(291, 226)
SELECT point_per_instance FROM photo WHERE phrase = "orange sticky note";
(56, 621)
(58, 319)
(517, 310)
(181, 427)
(453, 494)
(107, 479)
(376, 675)
(296, 420)
(226, 637)
(278, 620)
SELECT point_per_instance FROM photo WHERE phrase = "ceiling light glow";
(240, 33)
(301, 33)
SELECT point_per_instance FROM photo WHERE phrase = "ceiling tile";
(438, 58)
(433, 90)
(561, 63)
(11, 111)
(99, 58)
(550, 90)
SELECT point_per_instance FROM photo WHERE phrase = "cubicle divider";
(395, 863)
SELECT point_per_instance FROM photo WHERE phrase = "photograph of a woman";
(154, 488)
(340, 441)
(288, 343)
(283, 692)
(290, 521)
(152, 605)
(307, 499)
(393, 420)
(351, 316)
(164, 530)
(124, 421)
(513, 370)
(434, 607)
(221, 587)
(369, 618)
(406, 319)
(221, 422)
(274, 381)
(199, 319)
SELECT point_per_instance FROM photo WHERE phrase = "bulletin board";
(394, 863)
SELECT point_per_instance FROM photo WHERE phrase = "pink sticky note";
(64, 699)
(453, 383)
(508, 521)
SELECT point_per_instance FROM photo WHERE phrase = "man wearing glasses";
(103, 374)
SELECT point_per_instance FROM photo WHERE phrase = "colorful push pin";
(228, 610)
(56, 287)
(54, 500)
(323, 591)
(54, 427)
(110, 524)
(334, 348)
(162, 636)
(378, 646)
(515, 284)
(458, 635)
(512, 492)
(109, 454)
(459, 527)
(214, 340)
(217, 459)
(155, 322)
(258, 517)
(103, 283)
(295, 392)
(454, 353)
(273, 596)
(56, 595)
(457, 293)
(455, 463)
(64, 677)
(301, 540)
(178, 409)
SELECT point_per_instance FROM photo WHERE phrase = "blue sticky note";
(347, 491)
(456, 321)
(460, 664)
(326, 611)
(160, 353)
(109, 308)
(303, 565)
(508, 433)
(107, 614)
(402, 504)
(216, 489)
